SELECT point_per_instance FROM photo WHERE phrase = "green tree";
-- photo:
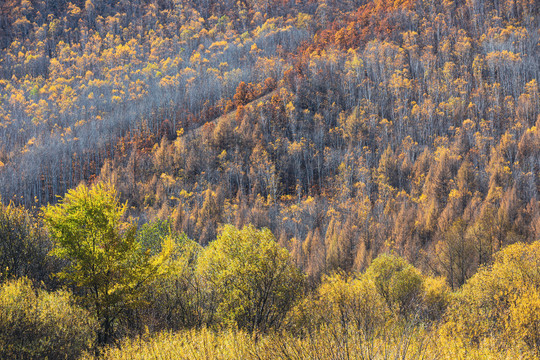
(177, 298)
(254, 279)
(104, 259)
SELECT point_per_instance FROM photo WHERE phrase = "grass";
(206, 344)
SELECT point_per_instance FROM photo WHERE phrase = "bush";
(525, 319)
(437, 297)
(501, 301)
(188, 344)
(38, 324)
(399, 283)
(391, 289)
(342, 304)
(23, 246)
(252, 278)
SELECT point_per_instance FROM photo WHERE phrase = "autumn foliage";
(389, 148)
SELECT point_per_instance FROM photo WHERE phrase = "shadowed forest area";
(278, 179)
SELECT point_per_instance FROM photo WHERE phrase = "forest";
(269, 179)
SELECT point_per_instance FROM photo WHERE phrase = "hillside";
(349, 130)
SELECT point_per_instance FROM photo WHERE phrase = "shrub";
(501, 301)
(23, 246)
(208, 344)
(254, 280)
(37, 324)
(342, 303)
(437, 297)
(399, 283)
(525, 318)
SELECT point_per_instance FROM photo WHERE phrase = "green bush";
(399, 283)
(251, 277)
(36, 324)
(391, 289)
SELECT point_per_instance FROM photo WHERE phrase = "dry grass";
(403, 344)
